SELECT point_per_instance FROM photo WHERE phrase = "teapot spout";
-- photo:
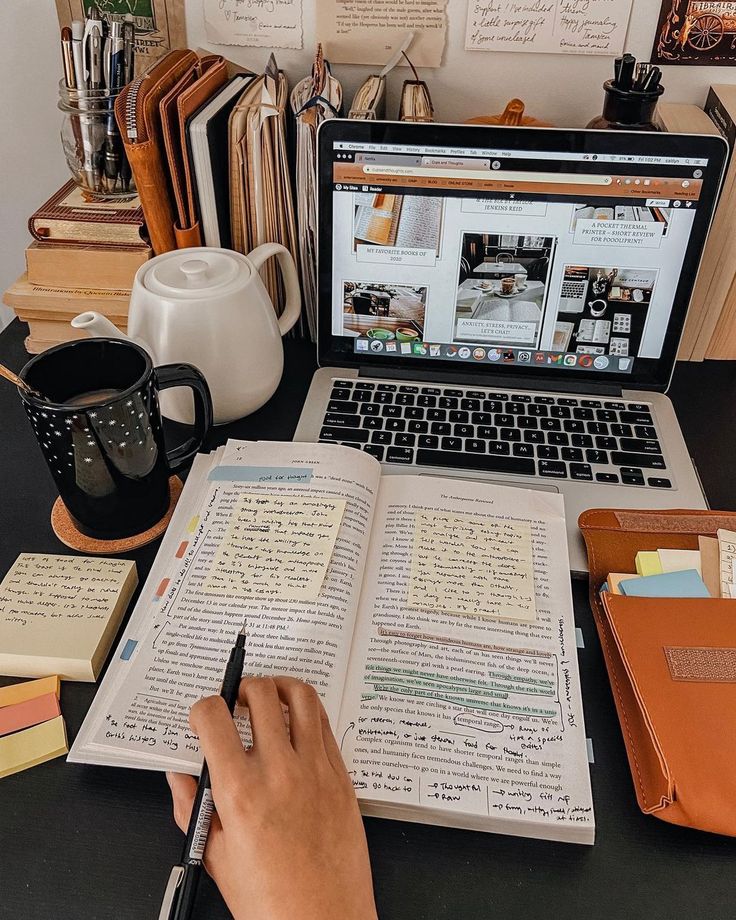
(98, 325)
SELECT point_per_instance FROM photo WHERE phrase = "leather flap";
(188, 236)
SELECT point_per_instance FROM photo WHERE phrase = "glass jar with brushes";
(92, 143)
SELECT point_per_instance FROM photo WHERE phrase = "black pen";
(178, 902)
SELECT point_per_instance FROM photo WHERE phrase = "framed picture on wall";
(695, 32)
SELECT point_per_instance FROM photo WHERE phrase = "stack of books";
(84, 256)
(710, 330)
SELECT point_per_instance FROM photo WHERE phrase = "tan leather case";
(672, 667)
(194, 88)
(145, 151)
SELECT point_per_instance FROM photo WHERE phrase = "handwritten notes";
(60, 613)
(727, 555)
(371, 31)
(472, 566)
(256, 23)
(276, 547)
(552, 26)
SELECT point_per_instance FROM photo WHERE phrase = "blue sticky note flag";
(670, 584)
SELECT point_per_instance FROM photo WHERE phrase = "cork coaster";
(66, 531)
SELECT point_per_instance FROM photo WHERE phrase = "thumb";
(183, 790)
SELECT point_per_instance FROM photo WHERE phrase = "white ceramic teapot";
(209, 307)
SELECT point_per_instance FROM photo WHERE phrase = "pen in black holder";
(631, 97)
(98, 424)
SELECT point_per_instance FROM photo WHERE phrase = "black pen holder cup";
(99, 430)
(627, 110)
(92, 144)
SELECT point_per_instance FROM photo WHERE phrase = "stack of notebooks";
(710, 329)
(434, 617)
(84, 256)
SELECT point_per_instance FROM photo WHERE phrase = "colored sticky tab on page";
(33, 746)
(29, 712)
(647, 563)
(668, 584)
(29, 690)
(260, 474)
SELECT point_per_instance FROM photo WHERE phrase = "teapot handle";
(291, 281)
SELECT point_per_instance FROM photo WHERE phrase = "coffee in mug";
(507, 285)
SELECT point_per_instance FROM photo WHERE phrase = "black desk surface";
(96, 843)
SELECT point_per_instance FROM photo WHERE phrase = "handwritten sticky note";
(276, 547)
(28, 690)
(256, 23)
(727, 558)
(470, 565)
(29, 712)
(33, 746)
(553, 26)
(59, 614)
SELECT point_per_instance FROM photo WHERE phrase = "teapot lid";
(193, 272)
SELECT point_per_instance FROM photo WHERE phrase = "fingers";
(183, 789)
(270, 735)
(221, 745)
(305, 722)
(332, 748)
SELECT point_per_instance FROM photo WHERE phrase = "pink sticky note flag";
(29, 712)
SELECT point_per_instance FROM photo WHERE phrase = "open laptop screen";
(522, 251)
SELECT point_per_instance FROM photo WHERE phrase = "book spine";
(720, 117)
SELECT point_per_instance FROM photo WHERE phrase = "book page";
(177, 653)
(478, 719)
(419, 227)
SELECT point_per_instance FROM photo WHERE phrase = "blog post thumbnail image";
(502, 288)
(602, 310)
(385, 312)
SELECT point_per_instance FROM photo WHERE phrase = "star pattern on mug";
(82, 438)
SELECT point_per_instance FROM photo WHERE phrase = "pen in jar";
(181, 891)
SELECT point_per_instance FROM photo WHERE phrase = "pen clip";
(167, 905)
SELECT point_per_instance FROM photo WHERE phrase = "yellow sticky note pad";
(36, 745)
(19, 693)
(647, 563)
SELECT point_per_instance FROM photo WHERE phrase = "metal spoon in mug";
(19, 382)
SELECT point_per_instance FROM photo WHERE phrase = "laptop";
(437, 367)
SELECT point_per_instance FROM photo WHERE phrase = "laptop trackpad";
(519, 484)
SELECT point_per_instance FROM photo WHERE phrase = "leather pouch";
(138, 117)
(195, 87)
(672, 667)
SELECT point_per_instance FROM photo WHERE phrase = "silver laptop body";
(524, 413)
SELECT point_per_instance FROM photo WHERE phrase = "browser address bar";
(497, 175)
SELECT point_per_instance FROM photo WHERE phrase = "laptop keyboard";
(559, 437)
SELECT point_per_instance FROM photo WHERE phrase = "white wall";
(32, 165)
(564, 89)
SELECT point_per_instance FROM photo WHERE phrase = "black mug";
(99, 428)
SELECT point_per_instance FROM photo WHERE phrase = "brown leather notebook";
(193, 88)
(139, 120)
(672, 667)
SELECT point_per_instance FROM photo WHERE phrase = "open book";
(434, 617)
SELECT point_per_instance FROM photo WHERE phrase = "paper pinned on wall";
(277, 547)
(557, 27)
(472, 566)
(257, 25)
(370, 31)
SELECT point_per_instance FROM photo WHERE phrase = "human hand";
(287, 840)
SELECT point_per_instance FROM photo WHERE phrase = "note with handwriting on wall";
(276, 547)
(472, 566)
(59, 614)
(256, 23)
(557, 26)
